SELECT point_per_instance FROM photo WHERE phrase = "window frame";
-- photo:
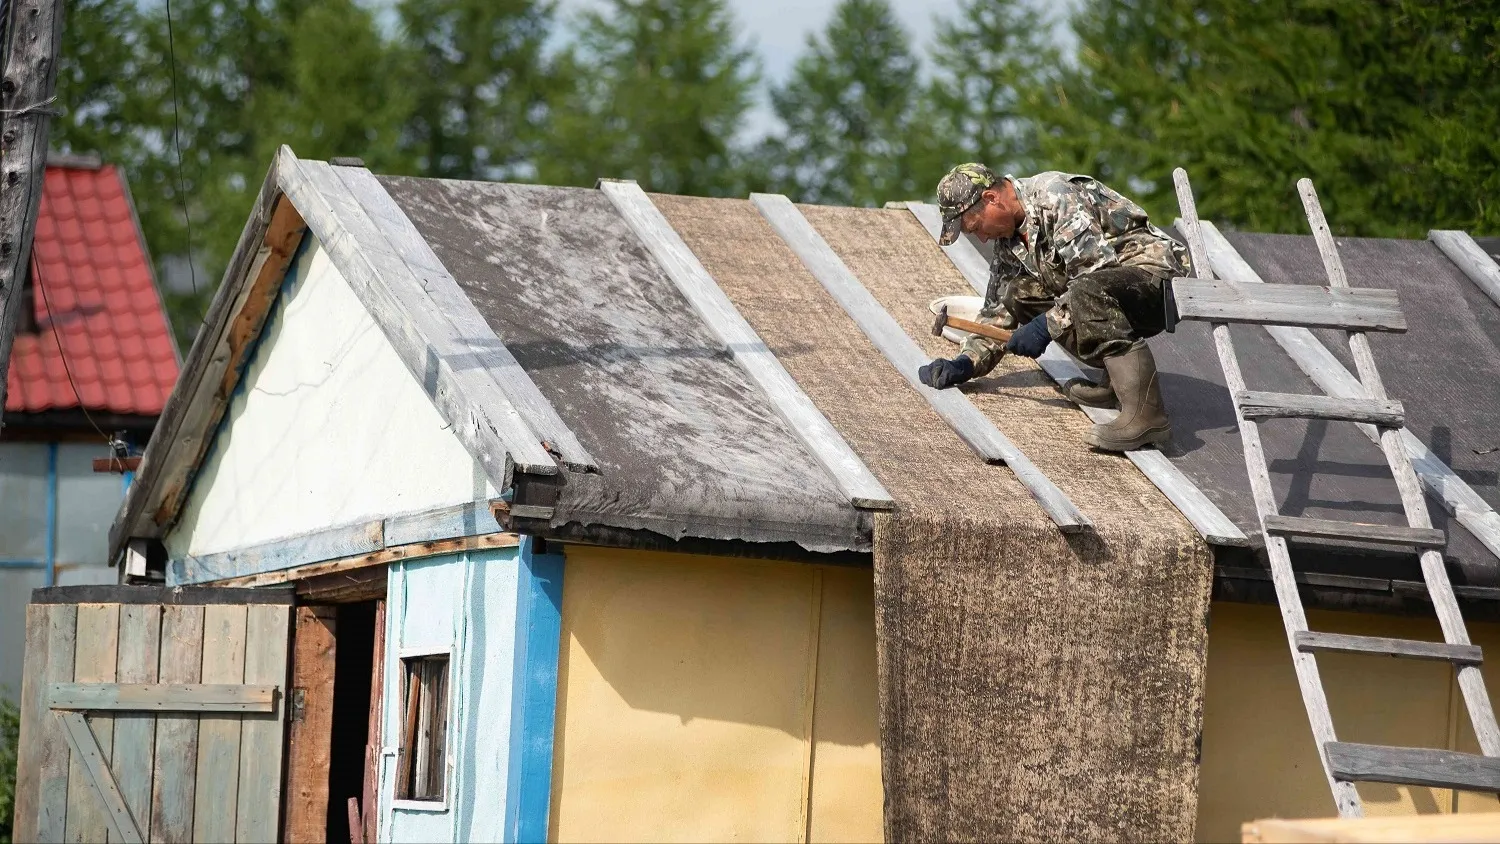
(404, 660)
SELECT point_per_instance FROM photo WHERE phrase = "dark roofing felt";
(1444, 369)
(686, 444)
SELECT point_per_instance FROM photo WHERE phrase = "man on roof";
(1077, 264)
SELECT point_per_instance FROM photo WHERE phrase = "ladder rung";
(1354, 531)
(1308, 642)
(1258, 405)
(1412, 766)
(1349, 308)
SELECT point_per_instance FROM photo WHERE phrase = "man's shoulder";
(1052, 187)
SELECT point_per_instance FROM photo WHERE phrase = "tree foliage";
(658, 89)
(855, 131)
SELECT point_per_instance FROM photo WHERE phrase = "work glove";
(1031, 339)
(943, 373)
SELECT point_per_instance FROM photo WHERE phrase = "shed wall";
(464, 605)
(707, 698)
(1259, 760)
(326, 428)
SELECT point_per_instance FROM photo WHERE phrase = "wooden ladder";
(1355, 311)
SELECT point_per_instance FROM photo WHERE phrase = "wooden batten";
(309, 737)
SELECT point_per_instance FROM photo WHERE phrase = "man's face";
(991, 218)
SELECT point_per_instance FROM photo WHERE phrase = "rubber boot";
(1085, 392)
(1143, 418)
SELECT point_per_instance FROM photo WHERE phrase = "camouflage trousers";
(1104, 313)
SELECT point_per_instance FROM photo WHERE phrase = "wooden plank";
(1255, 404)
(377, 558)
(218, 771)
(135, 735)
(41, 795)
(1414, 766)
(102, 788)
(1205, 516)
(1283, 580)
(972, 426)
(1288, 304)
(1466, 254)
(173, 786)
(1353, 531)
(327, 544)
(163, 595)
(374, 741)
(258, 806)
(193, 410)
(826, 445)
(97, 655)
(117, 465)
(311, 725)
(30, 56)
(471, 519)
(1325, 370)
(1308, 642)
(167, 697)
(483, 418)
(429, 287)
(1466, 826)
(533, 708)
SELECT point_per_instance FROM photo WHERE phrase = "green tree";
(993, 62)
(659, 90)
(856, 127)
(1388, 107)
(480, 85)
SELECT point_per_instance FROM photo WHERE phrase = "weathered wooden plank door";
(152, 714)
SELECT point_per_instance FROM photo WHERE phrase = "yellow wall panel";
(846, 800)
(1258, 755)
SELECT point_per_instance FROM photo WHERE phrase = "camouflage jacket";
(1074, 225)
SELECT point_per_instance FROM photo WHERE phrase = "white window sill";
(434, 806)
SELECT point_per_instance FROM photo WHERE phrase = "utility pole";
(33, 36)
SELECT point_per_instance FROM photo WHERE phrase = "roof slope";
(90, 261)
(686, 444)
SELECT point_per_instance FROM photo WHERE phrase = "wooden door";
(150, 713)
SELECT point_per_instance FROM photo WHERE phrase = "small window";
(424, 735)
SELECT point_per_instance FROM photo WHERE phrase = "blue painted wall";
(497, 613)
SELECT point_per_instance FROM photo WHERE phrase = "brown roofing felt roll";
(1032, 686)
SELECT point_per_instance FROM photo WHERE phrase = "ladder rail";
(1293, 615)
(1434, 572)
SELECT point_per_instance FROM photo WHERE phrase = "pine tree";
(479, 83)
(660, 89)
(993, 62)
(855, 130)
(1388, 107)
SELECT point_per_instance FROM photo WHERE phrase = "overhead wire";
(187, 220)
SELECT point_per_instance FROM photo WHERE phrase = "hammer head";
(940, 321)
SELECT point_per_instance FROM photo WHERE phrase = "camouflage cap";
(957, 193)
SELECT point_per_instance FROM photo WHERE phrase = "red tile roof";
(91, 259)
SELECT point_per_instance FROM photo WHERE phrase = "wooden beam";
(26, 100)
(1308, 642)
(310, 725)
(1319, 364)
(966, 420)
(86, 748)
(197, 402)
(332, 543)
(1478, 266)
(428, 291)
(1350, 309)
(1413, 766)
(374, 741)
(801, 416)
(1205, 516)
(162, 697)
(1467, 826)
(1353, 531)
(117, 465)
(482, 416)
(1255, 404)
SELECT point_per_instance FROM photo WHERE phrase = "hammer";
(942, 320)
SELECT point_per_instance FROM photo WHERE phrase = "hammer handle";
(979, 328)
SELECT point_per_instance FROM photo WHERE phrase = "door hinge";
(298, 710)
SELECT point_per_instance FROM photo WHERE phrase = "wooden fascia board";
(197, 403)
